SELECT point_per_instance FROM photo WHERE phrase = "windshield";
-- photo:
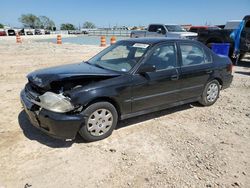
(121, 56)
(175, 28)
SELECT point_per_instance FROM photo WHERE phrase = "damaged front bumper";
(58, 125)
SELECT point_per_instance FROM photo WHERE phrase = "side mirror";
(159, 30)
(146, 68)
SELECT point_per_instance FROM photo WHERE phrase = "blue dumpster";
(221, 48)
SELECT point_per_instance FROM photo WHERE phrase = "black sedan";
(127, 79)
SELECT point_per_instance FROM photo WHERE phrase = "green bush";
(67, 26)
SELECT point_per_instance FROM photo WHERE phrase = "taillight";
(230, 68)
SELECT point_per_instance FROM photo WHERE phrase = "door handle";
(209, 71)
(175, 77)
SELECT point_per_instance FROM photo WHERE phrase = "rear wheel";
(211, 93)
(100, 121)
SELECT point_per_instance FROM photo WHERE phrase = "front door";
(157, 88)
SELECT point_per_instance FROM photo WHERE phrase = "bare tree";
(30, 20)
(46, 23)
(89, 25)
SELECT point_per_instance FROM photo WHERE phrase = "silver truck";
(164, 30)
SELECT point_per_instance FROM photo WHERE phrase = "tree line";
(43, 22)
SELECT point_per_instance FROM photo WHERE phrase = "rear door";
(196, 68)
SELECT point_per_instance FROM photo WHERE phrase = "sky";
(126, 12)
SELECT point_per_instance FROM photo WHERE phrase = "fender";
(117, 89)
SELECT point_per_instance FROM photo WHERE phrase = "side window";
(163, 30)
(193, 30)
(152, 28)
(163, 57)
(118, 52)
(139, 52)
(193, 55)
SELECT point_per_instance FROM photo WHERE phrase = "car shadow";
(33, 133)
(244, 63)
(243, 72)
(142, 118)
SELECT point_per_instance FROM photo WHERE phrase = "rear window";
(193, 30)
(193, 55)
(152, 28)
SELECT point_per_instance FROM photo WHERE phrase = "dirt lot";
(187, 146)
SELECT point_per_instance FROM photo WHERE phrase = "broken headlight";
(55, 102)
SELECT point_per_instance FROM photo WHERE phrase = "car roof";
(156, 40)
(161, 24)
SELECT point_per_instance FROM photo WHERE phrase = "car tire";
(100, 120)
(210, 93)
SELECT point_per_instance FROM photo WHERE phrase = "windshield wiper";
(96, 65)
(99, 66)
(87, 62)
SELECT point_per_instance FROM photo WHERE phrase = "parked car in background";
(127, 79)
(21, 32)
(38, 32)
(197, 29)
(3, 32)
(11, 32)
(85, 31)
(223, 35)
(29, 33)
(74, 32)
(47, 32)
(164, 30)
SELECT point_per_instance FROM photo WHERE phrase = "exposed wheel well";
(219, 80)
(107, 99)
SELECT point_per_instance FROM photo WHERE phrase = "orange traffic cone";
(103, 41)
(112, 40)
(59, 39)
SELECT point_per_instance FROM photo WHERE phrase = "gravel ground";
(186, 146)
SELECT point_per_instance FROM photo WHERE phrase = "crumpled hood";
(44, 77)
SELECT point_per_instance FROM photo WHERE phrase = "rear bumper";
(57, 125)
(227, 80)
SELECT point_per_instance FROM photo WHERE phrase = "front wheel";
(100, 121)
(211, 93)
